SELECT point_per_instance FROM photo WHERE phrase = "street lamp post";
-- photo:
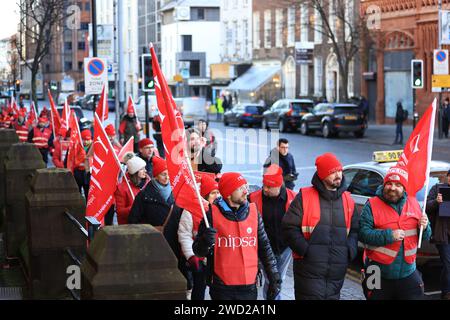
(440, 133)
(94, 39)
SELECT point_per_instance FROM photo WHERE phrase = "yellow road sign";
(440, 81)
(387, 156)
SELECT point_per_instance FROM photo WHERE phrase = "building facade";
(190, 43)
(149, 25)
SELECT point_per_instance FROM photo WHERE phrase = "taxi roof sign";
(387, 156)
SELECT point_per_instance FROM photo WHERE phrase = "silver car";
(363, 179)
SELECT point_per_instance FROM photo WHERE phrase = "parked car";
(152, 107)
(192, 109)
(363, 179)
(65, 95)
(333, 118)
(287, 114)
(244, 114)
(86, 102)
(78, 113)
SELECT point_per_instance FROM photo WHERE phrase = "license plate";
(350, 117)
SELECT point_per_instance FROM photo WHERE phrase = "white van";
(192, 109)
(152, 107)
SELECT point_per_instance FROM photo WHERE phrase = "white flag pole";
(427, 181)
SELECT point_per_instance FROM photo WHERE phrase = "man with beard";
(321, 228)
(389, 228)
(201, 158)
(233, 244)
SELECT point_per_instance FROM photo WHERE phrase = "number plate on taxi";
(387, 156)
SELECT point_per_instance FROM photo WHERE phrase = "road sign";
(440, 63)
(440, 81)
(95, 75)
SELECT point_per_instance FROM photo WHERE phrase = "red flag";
(416, 157)
(132, 105)
(65, 116)
(128, 147)
(14, 107)
(56, 119)
(102, 107)
(184, 187)
(32, 116)
(76, 153)
(105, 170)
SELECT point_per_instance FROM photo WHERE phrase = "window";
(245, 5)
(304, 75)
(349, 19)
(245, 37)
(226, 39)
(194, 68)
(225, 4)
(201, 14)
(80, 65)
(351, 71)
(68, 65)
(87, 6)
(291, 27)
(81, 46)
(267, 29)
(332, 19)
(186, 41)
(84, 26)
(279, 28)
(304, 22)
(235, 4)
(362, 182)
(317, 27)
(68, 46)
(318, 76)
(235, 37)
(256, 31)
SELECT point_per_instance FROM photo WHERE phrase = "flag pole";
(427, 181)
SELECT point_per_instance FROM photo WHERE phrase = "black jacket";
(265, 253)
(149, 207)
(148, 164)
(209, 163)
(320, 274)
(286, 163)
(440, 226)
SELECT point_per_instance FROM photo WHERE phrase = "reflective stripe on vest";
(236, 248)
(311, 212)
(256, 198)
(40, 138)
(385, 217)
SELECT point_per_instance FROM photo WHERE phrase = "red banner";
(174, 137)
(416, 157)
(76, 153)
(56, 119)
(32, 116)
(105, 170)
(102, 107)
(128, 147)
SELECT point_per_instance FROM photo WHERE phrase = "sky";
(9, 19)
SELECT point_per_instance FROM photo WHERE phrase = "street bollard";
(53, 192)
(131, 262)
(21, 163)
(7, 138)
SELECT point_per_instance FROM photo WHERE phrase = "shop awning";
(254, 78)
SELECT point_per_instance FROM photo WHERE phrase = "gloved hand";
(194, 263)
(209, 237)
(274, 287)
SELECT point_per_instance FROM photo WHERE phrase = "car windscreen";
(78, 112)
(346, 110)
(254, 109)
(301, 106)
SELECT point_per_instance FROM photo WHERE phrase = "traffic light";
(148, 84)
(18, 85)
(417, 74)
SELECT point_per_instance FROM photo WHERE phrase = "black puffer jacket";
(320, 274)
(439, 225)
(265, 253)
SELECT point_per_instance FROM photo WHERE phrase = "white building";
(236, 35)
(105, 16)
(190, 43)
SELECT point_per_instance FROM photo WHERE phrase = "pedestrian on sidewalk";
(441, 234)
(156, 124)
(389, 228)
(234, 242)
(399, 119)
(188, 230)
(446, 117)
(321, 228)
(281, 157)
(273, 202)
(129, 128)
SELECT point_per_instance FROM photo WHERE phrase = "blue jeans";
(283, 261)
(444, 253)
(399, 133)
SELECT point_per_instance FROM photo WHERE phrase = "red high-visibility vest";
(311, 212)
(22, 131)
(40, 138)
(236, 248)
(385, 217)
(256, 198)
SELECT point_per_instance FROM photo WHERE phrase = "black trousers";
(231, 293)
(83, 179)
(199, 283)
(109, 216)
(409, 288)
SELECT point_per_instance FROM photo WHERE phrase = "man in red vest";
(62, 144)
(233, 244)
(389, 228)
(272, 203)
(321, 228)
(42, 137)
(21, 127)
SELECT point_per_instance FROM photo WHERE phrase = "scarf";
(164, 191)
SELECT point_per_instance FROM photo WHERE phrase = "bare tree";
(39, 20)
(13, 61)
(341, 26)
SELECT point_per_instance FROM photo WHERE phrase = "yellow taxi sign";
(387, 156)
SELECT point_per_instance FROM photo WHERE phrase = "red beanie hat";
(43, 119)
(273, 177)
(327, 164)
(110, 130)
(229, 182)
(145, 142)
(397, 174)
(208, 185)
(86, 134)
(159, 165)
